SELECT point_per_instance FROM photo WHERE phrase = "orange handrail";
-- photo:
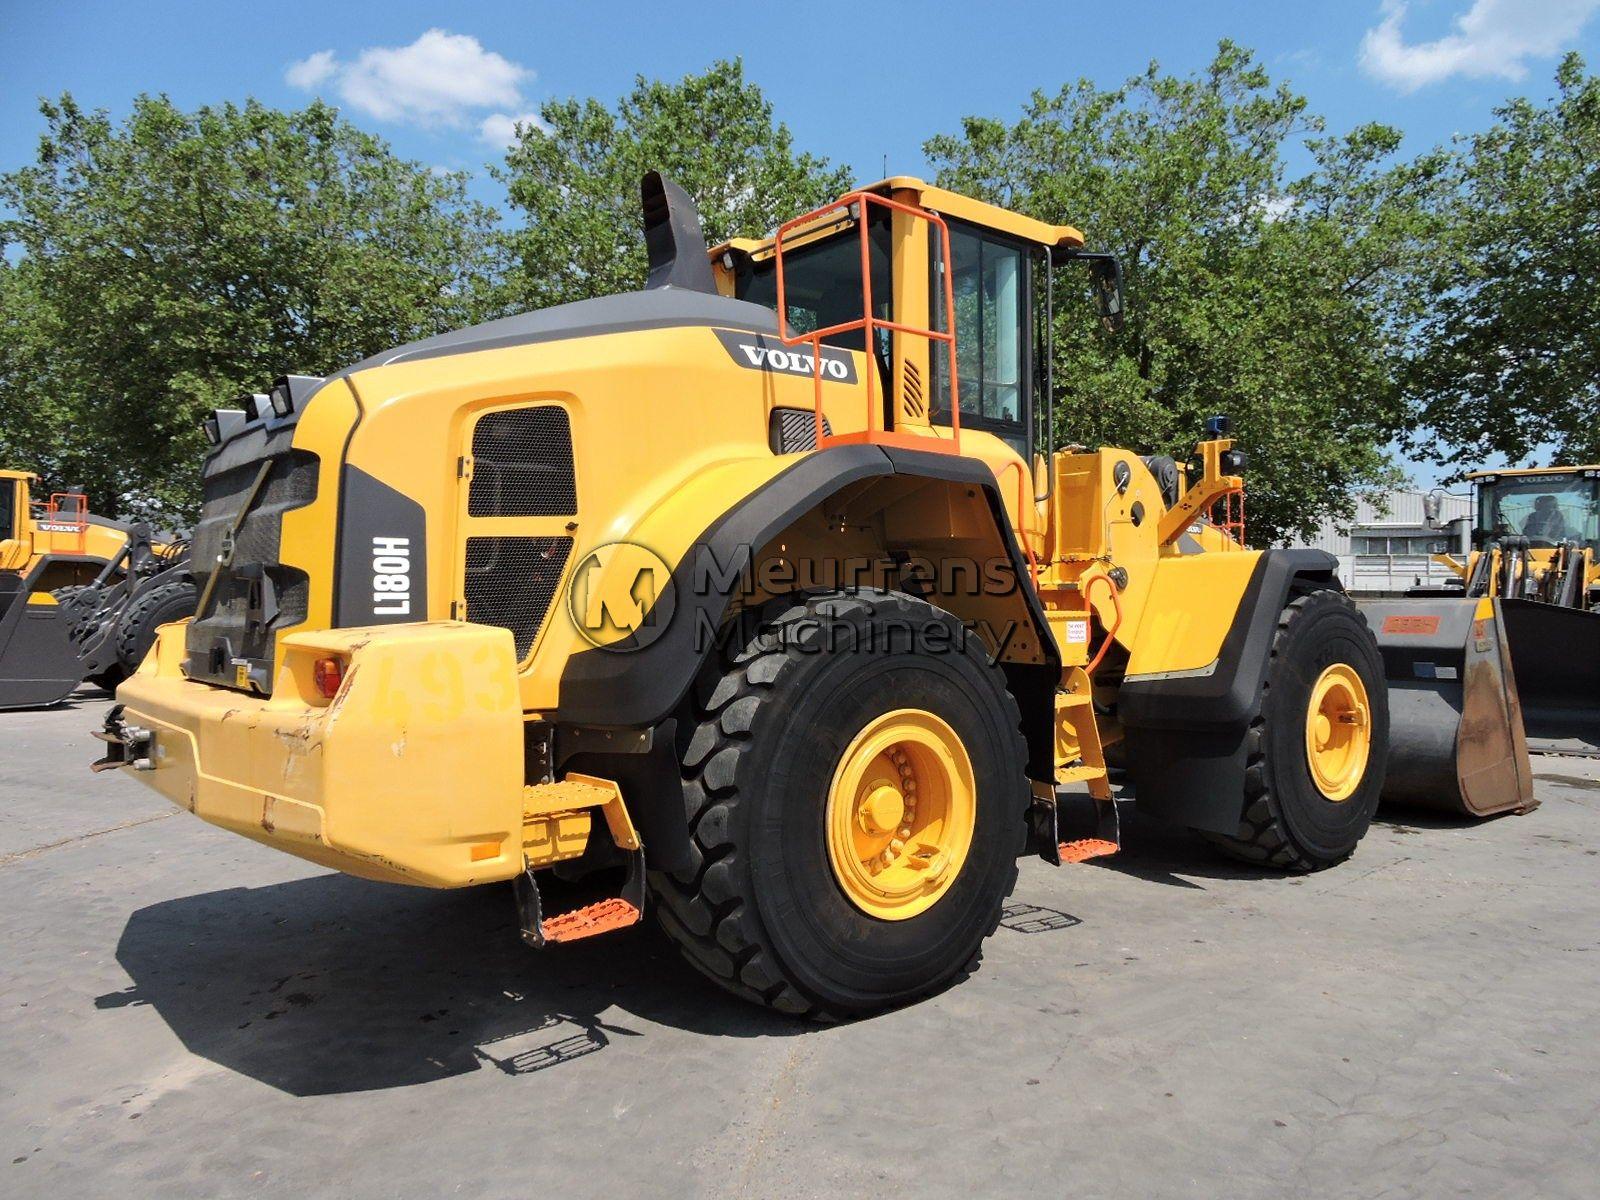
(1232, 522)
(1022, 521)
(867, 323)
(76, 521)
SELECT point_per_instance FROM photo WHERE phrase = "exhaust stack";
(672, 237)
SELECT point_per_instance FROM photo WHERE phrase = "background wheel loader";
(744, 598)
(81, 596)
(1535, 537)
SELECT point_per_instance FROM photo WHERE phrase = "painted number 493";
(391, 576)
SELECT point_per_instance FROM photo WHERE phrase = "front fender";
(1186, 731)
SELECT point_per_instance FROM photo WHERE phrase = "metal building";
(1389, 546)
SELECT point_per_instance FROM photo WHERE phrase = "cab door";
(993, 285)
(14, 546)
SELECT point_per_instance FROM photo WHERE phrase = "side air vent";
(511, 582)
(791, 430)
(911, 397)
(522, 464)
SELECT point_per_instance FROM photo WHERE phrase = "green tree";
(1508, 355)
(575, 181)
(1278, 300)
(166, 264)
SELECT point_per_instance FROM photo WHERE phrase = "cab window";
(8, 509)
(993, 336)
(822, 283)
(1548, 509)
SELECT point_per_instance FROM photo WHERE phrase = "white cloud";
(313, 71)
(1493, 38)
(500, 129)
(436, 80)
(1275, 208)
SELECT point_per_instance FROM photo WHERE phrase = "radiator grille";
(792, 430)
(522, 464)
(511, 582)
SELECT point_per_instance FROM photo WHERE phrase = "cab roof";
(946, 204)
(1532, 471)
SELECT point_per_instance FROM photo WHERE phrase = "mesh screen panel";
(511, 581)
(522, 464)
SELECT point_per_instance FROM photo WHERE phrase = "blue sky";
(443, 81)
(862, 89)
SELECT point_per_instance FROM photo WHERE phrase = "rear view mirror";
(1105, 277)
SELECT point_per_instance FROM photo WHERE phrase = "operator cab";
(1549, 508)
(1000, 282)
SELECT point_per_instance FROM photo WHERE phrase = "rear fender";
(890, 499)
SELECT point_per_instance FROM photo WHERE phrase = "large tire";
(763, 911)
(149, 609)
(65, 597)
(1289, 822)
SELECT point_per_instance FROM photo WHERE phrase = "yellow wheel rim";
(901, 811)
(1338, 732)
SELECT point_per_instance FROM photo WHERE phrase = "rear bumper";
(413, 773)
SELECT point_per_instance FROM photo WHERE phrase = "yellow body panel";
(1189, 607)
(309, 534)
(417, 761)
(658, 488)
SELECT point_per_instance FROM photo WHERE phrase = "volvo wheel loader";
(81, 596)
(745, 597)
(1535, 537)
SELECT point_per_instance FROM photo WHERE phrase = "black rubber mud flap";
(39, 663)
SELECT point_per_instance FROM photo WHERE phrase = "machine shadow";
(1406, 817)
(1159, 852)
(332, 984)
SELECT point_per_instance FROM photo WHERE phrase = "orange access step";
(600, 917)
(603, 916)
(1084, 849)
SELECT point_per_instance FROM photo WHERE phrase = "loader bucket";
(1555, 656)
(38, 660)
(1455, 725)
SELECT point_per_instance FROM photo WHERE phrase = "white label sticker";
(1078, 631)
(391, 576)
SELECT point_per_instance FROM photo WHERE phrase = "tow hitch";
(127, 745)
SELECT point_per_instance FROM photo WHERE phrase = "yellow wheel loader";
(744, 597)
(1535, 537)
(80, 595)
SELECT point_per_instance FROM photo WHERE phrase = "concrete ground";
(186, 1013)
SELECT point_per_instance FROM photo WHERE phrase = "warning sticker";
(1078, 631)
(1412, 626)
